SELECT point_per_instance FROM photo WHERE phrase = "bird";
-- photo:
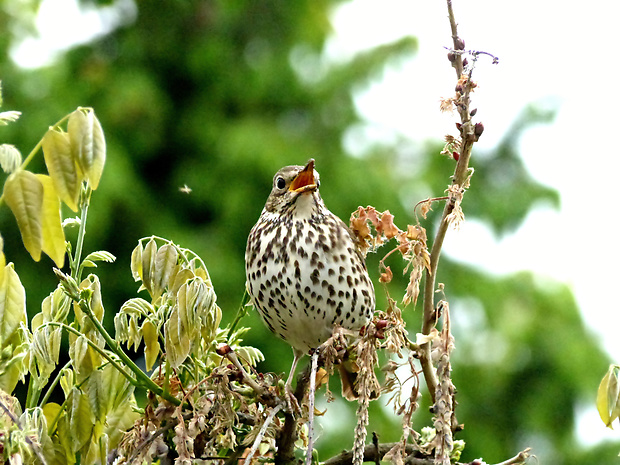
(305, 273)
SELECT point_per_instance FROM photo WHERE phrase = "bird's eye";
(280, 183)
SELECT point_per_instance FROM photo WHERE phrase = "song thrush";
(305, 274)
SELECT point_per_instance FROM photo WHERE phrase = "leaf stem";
(76, 265)
(52, 386)
(98, 349)
(142, 379)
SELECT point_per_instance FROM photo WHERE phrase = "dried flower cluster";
(411, 243)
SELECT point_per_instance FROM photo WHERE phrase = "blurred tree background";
(217, 95)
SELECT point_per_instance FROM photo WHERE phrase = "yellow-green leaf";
(148, 264)
(101, 256)
(23, 193)
(119, 390)
(12, 304)
(62, 167)
(84, 358)
(136, 262)
(180, 278)
(51, 410)
(67, 380)
(165, 262)
(81, 419)
(87, 143)
(53, 235)
(176, 339)
(151, 343)
(2, 259)
(607, 398)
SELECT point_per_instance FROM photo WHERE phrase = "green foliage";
(99, 380)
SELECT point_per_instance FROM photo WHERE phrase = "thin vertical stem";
(77, 257)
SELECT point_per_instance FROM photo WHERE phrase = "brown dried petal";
(387, 225)
(386, 276)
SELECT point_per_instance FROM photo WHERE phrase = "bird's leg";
(311, 394)
(291, 400)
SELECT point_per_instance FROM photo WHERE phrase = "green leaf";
(87, 144)
(23, 192)
(136, 262)
(100, 256)
(608, 396)
(150, 335)
(148, 263)
(249, 354)
(62, 166)
(67, 380)
(164, 265)
(10, 158)
(84, 357)
(65, 440)
(81, 419)
(55, 307)
(54, 244)
(51, 410)
(44, 350)
(176, 339)
(12, 304)
(137, 306)
(2, 259)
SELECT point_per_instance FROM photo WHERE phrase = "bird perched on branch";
(304, 271)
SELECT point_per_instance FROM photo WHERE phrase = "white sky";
(550, 51)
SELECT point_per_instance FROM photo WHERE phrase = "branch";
(375, 452)
(285, 440)
(520, 458)
(468, 137)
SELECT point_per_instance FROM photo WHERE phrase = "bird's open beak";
(304, 181)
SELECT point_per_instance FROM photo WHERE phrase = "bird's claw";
(291, 401)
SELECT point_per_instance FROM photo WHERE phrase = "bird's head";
(294, 187)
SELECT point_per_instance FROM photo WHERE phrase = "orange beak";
(304, 181)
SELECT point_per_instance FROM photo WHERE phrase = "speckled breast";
(306, 276)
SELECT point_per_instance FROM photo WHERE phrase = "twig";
(311, 393)
(263, 394)
(261, 434)
(247, 379)
(372, 453)
(460, 175)
(375, 443)
(520, 458)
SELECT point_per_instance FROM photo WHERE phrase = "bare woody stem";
(459, 178)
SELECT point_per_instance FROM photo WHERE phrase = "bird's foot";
(291, 401)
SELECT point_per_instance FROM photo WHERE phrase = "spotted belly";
(305, 279)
